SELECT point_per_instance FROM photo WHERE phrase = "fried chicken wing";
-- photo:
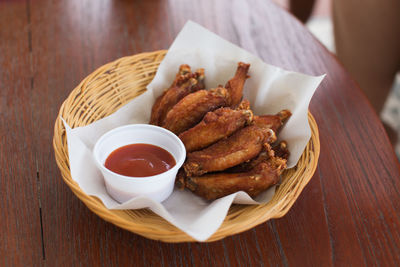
(274, 122)
(243, 145)
(235, 85)
(185, 83)
(191, 109)
(215, 125)
(217, 185)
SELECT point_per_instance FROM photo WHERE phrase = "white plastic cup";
(157, 187)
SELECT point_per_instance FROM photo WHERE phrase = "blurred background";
(323, 16)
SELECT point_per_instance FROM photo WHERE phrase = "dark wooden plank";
(308, 223)
(65, 50)
(347, 214)
(304, 232)
(356, 170)
(363, 171)
(20, 238)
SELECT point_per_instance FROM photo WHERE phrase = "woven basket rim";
(161, 229)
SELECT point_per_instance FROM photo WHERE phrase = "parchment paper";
(270, 89)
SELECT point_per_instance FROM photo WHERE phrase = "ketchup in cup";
(139, 160)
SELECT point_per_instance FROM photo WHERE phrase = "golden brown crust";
(215, 125)
(236, 84)
(192, 108)
(180, 180)
(185, 83)
(217, 185)
(243, 145)
(281, 150)
(266, 153)
(274, 122)
(244, 105)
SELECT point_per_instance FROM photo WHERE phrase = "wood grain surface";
(349, 214)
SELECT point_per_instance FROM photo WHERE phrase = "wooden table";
(349, 214)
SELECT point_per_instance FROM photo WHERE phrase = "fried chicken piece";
(191, 109)
(215, 125)
(274, 122)
(243, 145)
(212, 186)
(185, 83)
(235, 85)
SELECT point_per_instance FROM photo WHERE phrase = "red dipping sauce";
(139, 160)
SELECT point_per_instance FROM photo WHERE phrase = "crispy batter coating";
(243, 145)
(235, 85)
(185, 83)
(266, 153)
(281, 150)
(180, 179)
(245, 104)
(191, 109)
(215, 125)
(217, 185)
(274, 122)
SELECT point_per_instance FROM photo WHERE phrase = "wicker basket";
(118, 82)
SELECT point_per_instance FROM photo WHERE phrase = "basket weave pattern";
(113, 85)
